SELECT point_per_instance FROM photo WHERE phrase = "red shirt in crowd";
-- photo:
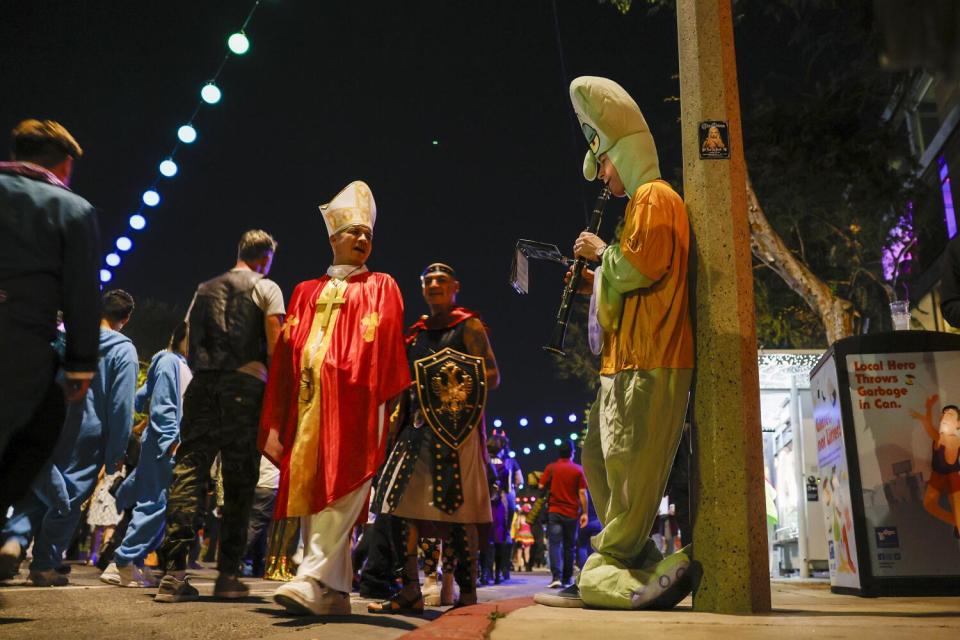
(566, 479)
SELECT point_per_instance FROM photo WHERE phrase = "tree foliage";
(833, 176)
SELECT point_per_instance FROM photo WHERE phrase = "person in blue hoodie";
(146, 488)
(95, 434)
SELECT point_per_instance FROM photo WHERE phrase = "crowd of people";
(349, 451)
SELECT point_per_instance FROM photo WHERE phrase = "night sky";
(333, 92)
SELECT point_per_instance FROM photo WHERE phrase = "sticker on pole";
(714, 140)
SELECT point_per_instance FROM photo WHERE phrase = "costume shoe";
(310, 597)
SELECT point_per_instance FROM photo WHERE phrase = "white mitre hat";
(353, 205)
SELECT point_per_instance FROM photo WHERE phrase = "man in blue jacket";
(145, 491)
(49, 256)
(95, 434)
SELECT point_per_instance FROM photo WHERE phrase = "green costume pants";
(633, 431)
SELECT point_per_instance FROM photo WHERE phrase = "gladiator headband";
(438, 267)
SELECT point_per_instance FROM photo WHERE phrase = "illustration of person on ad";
(945, 464)
(840, 521)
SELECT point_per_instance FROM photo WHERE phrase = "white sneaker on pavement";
(110, 575)
(556, 584)
(309, 597)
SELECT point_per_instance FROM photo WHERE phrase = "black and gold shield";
(452, 389)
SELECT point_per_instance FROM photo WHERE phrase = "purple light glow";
(899, 237)
(949, 214)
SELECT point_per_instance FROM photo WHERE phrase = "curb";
(468, 623)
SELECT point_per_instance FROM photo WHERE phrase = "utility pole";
(730, 536)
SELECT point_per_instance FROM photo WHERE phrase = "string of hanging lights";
(238, 44)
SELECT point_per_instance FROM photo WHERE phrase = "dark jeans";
(221, 412)
(30, 446)
(562, 535)
(583, 540)
(260, 516)
(382, 545)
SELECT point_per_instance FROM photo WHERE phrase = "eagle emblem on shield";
(452, 389)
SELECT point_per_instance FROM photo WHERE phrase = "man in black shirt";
(49, 256)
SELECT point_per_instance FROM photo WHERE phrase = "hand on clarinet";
(589, 246)
(586, 281)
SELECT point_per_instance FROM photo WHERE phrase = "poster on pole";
(908, 446)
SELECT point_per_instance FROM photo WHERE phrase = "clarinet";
(566, 303)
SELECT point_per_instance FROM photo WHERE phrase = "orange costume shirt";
(654, 329)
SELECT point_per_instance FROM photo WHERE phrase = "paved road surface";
(90, 609)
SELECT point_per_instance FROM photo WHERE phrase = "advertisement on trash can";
(906, 422)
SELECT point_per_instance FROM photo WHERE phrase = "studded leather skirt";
(414, 499)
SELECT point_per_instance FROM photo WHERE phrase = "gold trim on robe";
(304, 464)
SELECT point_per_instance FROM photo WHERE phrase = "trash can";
(887, 447)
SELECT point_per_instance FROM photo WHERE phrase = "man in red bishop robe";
(337, 367)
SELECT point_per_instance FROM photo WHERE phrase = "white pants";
(327, 535)
(326, 541)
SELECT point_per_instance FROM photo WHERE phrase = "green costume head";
(613, 125)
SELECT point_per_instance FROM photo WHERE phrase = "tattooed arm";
(478, 345)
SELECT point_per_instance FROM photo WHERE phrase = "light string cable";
(237, 45)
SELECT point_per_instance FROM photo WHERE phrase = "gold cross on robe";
(330, 296)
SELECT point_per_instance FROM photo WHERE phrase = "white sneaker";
(131, 576)
(110, 575)
(556, 584)
(310, 597)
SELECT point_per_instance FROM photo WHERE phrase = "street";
(88, 608)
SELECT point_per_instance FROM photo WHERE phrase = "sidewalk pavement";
(800, 610)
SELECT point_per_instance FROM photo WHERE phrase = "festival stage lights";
(557, 441)
(239, 43)
(524, 422)
(151, 198)
(498, 422)
(187, 134)
(168, 168)
(574, 436)
(572, 417)
(124, 243)
(105, 275)
(113, 259)
(542, 447)
(137, 222)
(526, 451)
(211, 93)
(512, 454)
(548, 419)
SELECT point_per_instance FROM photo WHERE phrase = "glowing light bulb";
(187, 134)
(542, 447)
(548, 419)
(512, 454)
(239, 43)
(137, 222)
(524, 422)
(211, 93)
(526, 451)
(572, 417)
(168, 168)
(498, 422)
(151, 198)
(105, 275)
(124, 243)
(574, 436)
(113, 259)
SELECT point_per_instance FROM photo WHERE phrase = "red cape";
(454, 317)
(357, 376)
